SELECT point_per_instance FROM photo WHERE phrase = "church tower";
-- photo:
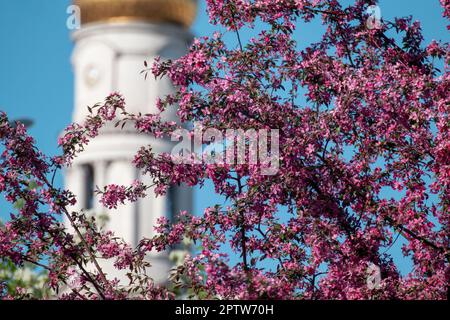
(115, 38)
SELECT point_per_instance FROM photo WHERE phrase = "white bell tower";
(115, 39)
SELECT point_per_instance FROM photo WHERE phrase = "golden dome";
(176, 11)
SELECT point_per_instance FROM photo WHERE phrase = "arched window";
(89, 187)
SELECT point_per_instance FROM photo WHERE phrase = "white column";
(100, 167)
(123, 219)
(76, 182)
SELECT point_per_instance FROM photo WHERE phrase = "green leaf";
(32, 185)
(202, 295)
(276, 227)
(201, 267)
(19, 204)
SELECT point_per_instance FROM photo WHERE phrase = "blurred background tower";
(115, 38)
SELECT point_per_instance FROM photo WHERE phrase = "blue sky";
(36, 79)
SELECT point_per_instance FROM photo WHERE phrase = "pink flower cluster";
(113, 195)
